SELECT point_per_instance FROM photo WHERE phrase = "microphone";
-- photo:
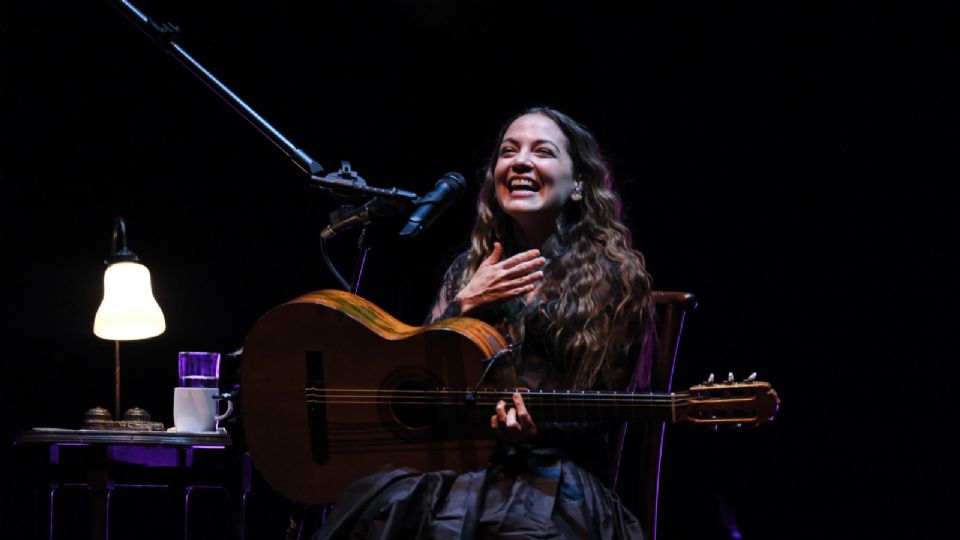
(432, 204)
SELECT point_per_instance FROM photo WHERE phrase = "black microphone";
(432, 204)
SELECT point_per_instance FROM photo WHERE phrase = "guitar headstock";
(747, 402)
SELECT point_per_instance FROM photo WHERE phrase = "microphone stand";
(343, 181)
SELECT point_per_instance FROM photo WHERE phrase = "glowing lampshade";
(129, 310)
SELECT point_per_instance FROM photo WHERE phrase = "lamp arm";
(123, 254)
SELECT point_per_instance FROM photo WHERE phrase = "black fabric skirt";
(534, 494)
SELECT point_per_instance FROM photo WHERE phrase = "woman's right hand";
(496, 280)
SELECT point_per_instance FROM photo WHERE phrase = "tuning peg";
(730, 378)
(751, 378)
(709, 380)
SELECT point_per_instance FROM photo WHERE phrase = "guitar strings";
(540, 401)
(453, 397)
(475, 402)
(358, 392)
(572, 396)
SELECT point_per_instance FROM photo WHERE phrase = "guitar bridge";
(315, 391)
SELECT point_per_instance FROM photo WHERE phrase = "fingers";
(523, 282)
(529, 257)
(501, 412)
(507, 420)
(514, 424)
(495, 255)
(496, 280)
(523, 417)
(525, 268)
(515, 287)
(519, 263)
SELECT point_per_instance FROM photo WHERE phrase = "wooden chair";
(636, 476)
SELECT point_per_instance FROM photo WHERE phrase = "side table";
(107, 461)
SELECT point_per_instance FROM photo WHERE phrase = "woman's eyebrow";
(547, 141)
(537, 142)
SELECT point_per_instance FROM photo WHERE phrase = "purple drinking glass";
(199, 369)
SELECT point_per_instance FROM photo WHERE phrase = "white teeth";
(517, 183)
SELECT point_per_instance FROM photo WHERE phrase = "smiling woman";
(572, 217)
(551, 268)
(534, 176)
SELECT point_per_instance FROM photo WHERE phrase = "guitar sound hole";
(412, 407)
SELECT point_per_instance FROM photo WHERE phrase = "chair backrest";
(636, 477)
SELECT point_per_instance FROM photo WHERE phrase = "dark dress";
(548, 487)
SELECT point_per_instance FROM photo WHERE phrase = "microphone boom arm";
(165, 35)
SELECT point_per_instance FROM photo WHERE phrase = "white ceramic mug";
(195, 410)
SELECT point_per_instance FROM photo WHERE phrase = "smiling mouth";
(522, 184)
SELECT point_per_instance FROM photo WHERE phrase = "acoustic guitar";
(335, 388)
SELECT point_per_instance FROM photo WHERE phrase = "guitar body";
(310, 447)
(334, 388)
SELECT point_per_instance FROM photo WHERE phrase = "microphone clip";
(348, 183)
(346, 174)
(347, 217)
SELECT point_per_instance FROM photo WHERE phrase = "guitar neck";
(750, 402)
(565, 406)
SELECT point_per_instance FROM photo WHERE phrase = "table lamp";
(128, 310)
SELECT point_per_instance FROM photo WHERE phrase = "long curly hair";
(596, 295)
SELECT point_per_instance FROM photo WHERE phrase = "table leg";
(100, 524)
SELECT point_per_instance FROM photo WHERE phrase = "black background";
(788, 162)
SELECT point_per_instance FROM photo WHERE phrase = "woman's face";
(534, 173)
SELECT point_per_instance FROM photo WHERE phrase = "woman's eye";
(506, 150)
(545, 151)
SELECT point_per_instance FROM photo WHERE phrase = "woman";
(551, 267)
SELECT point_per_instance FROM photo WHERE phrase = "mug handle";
(229, 410)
